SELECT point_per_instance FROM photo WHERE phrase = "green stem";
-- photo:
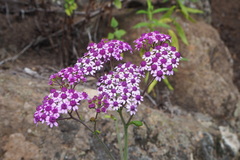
(130, 119)
(95, 122)
(125, 125)
(119, 140)
(121, 116)
(125, 154)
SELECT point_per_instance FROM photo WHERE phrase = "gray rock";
(162, 136)
(203, 5)
(205, 82)
(19, 148)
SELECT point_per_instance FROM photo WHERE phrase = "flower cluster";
(161, 61)
(119, 89)
(70, 75)
(56, 103)
(100, 103)
(149, 39)
(91, 62)
(107, 49)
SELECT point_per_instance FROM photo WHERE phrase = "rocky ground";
(199, 120)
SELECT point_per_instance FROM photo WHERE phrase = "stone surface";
(205, 82)
(18, 148)
(163, 136)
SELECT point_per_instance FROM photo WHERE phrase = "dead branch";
(19, 54)
(34, 10)
(41, 39)
(7, 14)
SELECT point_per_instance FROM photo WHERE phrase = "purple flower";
(148, 39)
(53, 105)
(160, 61)
(91, 62)
(124, 89)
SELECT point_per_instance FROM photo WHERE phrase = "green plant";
(118, 90)
(70, 6)
(168, 18)
(118, 33)
(117, 3)
(166, 21)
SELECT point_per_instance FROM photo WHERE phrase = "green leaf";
(142, 24)
(194, 11)
(165, 20)
(174, 39)
(181, 33)
(118, 4)
(147, 77)
(150, 6)
(175, 69)
(141, 52)
(160, 24)
(110, 117)
(97, 132)
(191, 19)
(165, 80)
(160, 10)
(152, 85)
(142, 12)
(107, 116)
(169, 13)
(119, 33)
(183, 9)
(114, 22)
(122, 55)
(68, 12)
(74, 6)
(184, 59)
(110, 36)
(150, 9)
(136, 123)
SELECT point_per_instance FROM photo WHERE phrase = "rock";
(205, 149)
(30, 72)
(204, 5)
(205, 82)
(230, 140)
(162, 136)
(18, 148)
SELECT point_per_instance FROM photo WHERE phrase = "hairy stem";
(125, 125)
(125, 154)
(119, 140)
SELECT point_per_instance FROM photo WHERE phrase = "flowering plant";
(118, 89)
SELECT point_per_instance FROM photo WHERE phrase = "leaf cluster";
(168, 18)
(118, 33)
(165, 21)
(70, 6)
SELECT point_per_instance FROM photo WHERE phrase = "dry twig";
(40, 39)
